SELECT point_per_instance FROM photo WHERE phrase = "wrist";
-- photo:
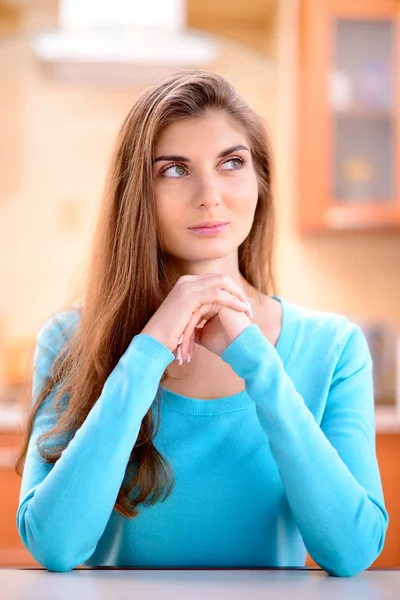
(152, 347)
(233, 327)
(155, 335)
(250, 344)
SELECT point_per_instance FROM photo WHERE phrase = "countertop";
(196, 584)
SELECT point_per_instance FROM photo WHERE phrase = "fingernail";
(188, 357)
(251, 312)
(247, 307)
(179, 353)
(180, 361)
(180, 339)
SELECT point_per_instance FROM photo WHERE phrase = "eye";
(179, 170)
(237, 161)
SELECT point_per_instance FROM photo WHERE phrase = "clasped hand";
(211, 310)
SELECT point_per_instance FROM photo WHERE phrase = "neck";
(228, 264)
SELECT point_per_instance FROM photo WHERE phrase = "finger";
(222, 298)
(189, 329)
(225, 282)
(198, 335)
(225, 298)
(204, 289)
(192, 345)
(178, 353)
(196, 318)
(182, 350)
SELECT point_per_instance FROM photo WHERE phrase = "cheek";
(245, 196)
(167, 210)
(164, 219)
(169, 217)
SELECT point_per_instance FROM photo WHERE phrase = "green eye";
(234, 164)
(176, 175)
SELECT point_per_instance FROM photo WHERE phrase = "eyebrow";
(185, 159)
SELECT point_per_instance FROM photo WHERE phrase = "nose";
(206, 193)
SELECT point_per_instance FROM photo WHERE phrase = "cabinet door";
(12, 551)
(349, 125)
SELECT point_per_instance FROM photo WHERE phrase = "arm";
(55, 518)
(330, 473)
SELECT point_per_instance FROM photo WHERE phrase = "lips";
(209, 231)
(209, 224)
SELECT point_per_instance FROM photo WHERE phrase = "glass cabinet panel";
(362, 104)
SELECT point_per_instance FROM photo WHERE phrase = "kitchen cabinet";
(12, 550)
(388, 452)
(349, 115)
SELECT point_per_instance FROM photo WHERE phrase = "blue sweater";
(287, 465)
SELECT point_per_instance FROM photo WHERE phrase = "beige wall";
(62, 137)
(59, 141)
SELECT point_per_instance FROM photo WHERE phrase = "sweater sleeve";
(329, 472)
(64, 508)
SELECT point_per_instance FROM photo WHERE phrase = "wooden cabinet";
(349, 115)
(12, 550)
(388, 452)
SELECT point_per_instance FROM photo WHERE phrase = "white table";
(196, 584)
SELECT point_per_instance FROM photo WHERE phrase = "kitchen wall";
(59, 141)
(55, 146)
(56, 143)
(59, 138)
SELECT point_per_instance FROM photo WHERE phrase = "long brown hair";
(128, 276)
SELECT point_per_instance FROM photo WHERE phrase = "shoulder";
(331, 333)
(57, 329)
(50, 340)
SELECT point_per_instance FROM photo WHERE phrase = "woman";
(192, 418)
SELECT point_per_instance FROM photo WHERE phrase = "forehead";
(215, 129)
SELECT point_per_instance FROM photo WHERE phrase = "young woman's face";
(203, 171)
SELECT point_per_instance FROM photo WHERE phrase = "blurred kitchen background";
(324, 74)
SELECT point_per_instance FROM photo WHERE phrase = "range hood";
(122, 41)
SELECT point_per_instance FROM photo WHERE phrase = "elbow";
(56, 559)
(48, 550)
(357, 557)
(348, 567)
(352, 563)
(56, 564)
(52, 559)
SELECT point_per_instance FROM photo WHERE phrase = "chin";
(210, 251)
(208, 256)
